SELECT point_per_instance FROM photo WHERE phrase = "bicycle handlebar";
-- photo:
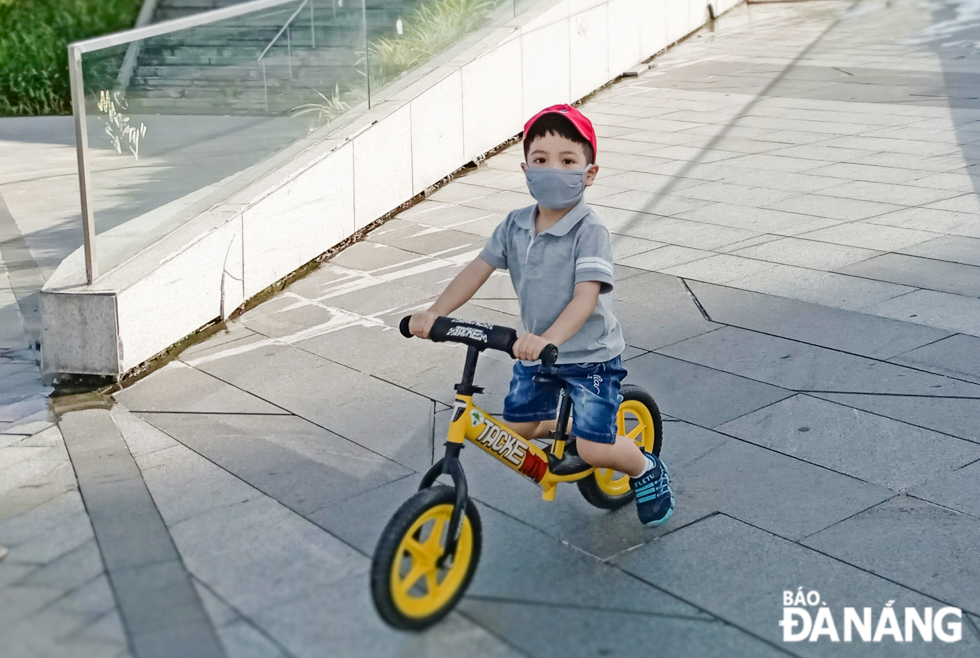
(478, 334)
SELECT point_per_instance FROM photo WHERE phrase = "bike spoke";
(416, 572)
(431, 582)
(433, 543)
(418, 551)
(635, 433)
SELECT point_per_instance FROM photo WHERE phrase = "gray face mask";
(556, 189)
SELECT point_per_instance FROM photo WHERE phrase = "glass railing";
(175, 117)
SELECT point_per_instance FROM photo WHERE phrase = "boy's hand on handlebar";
(528, 347)
(421, 323)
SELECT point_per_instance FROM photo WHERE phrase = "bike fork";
(449, 465)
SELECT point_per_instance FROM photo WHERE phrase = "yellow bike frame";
(481, 428)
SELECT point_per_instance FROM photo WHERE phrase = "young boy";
(560, 260)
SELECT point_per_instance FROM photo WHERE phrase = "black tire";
(386, 551)
(589, 487)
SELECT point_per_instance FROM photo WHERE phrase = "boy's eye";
(568, 161)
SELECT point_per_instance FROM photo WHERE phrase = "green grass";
(34, 35)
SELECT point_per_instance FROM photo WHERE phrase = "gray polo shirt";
(544, 269)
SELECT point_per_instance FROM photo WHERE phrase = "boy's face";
(553, 151)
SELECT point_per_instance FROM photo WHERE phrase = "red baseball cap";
(579, 120)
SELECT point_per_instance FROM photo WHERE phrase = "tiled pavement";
(791, 194)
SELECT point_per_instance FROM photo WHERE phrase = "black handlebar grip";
(549, 354)
(403, 327)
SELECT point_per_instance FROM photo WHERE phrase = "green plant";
(34, 35)
(430, 29)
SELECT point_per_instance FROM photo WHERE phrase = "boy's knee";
(592, 451)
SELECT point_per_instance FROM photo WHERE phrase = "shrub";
(34, 35)
(428, 30)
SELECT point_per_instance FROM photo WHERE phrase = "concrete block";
(678, 19)
(545, 85)
(624, 35)
(78, 333)
(300, 220)
(492, 99)
(653, 27)
(588, 50)
(382, 167)
(196, 273)
(437, 132)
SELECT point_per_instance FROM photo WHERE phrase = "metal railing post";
(289, 51)
(312, 26)
(367, 63)
(81, 139)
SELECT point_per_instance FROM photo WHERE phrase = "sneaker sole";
(653, 524)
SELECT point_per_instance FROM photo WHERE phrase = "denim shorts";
(594, 389)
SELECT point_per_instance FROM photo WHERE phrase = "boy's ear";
(591, 174)
(524, 167)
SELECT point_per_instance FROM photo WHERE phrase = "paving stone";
(954, 249)
(824, 288)
(341, 621)
(299, 381)
(833, 207)
(178, 387)
(949, 415)
(801, 367)
(956, 490)
(155, 597)
(870, 236)
(359, 520)
(859, 444)
(863, 172)
(932, 219)
(299, 464)
(588, 631)
(764, 220)
(371, 256)
(888, 193)
(744, 195)
(868, 335)
(650, 327)
(435, 213)
(721, 268)
(920, 273)
(649, 203)
(933, 309)
(420, 239)
(683, 390)
(807, 253)
(924, 547)
(238, 637)
(683, 233)
(665, 258)
(285, 558)
(739, 573)
(954, 356)
(70, 570)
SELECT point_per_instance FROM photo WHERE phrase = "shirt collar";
(525, 219)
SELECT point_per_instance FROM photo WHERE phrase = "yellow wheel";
(639, 419)
(411, 589)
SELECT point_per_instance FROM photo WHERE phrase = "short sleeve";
(593, 257)
(495, 250)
